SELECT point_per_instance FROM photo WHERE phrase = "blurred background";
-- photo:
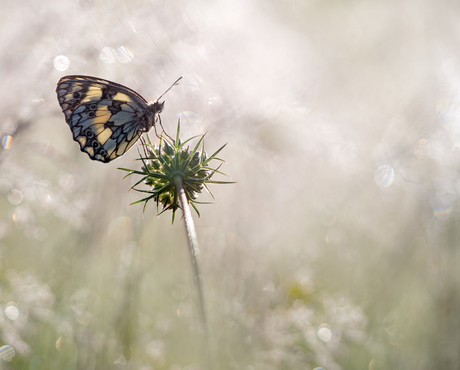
(337, 248)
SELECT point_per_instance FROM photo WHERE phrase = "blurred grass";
(312, 98)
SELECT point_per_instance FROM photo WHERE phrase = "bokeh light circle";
(384, 175)
(61, 63)
(7, 353)
(107, 55)
(11, 311)
(324, 333)
(124, 55)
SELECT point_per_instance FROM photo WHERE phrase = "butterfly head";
(151, 114)
(157, 107)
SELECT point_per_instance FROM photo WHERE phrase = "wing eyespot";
(92, 106)
(91, 114)
(89, 133)
(76, 95)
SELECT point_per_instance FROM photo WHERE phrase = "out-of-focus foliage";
(337, 248)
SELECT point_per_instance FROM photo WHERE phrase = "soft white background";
(342, 124)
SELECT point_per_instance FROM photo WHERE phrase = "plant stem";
(193, 246)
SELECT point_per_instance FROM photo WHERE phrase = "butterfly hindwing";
(105, 118)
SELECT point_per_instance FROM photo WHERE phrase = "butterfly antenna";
(174, 84)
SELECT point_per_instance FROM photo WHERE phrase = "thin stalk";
(194, 251)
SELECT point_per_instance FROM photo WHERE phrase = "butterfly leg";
(144, 147)
(162, 130)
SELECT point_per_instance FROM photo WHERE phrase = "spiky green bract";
(172, 161)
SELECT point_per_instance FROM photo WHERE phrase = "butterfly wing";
(106, 118)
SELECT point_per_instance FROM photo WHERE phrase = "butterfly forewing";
(106, 118)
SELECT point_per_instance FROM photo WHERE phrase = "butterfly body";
(105, 118)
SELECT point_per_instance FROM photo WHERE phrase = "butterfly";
(105, 118)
